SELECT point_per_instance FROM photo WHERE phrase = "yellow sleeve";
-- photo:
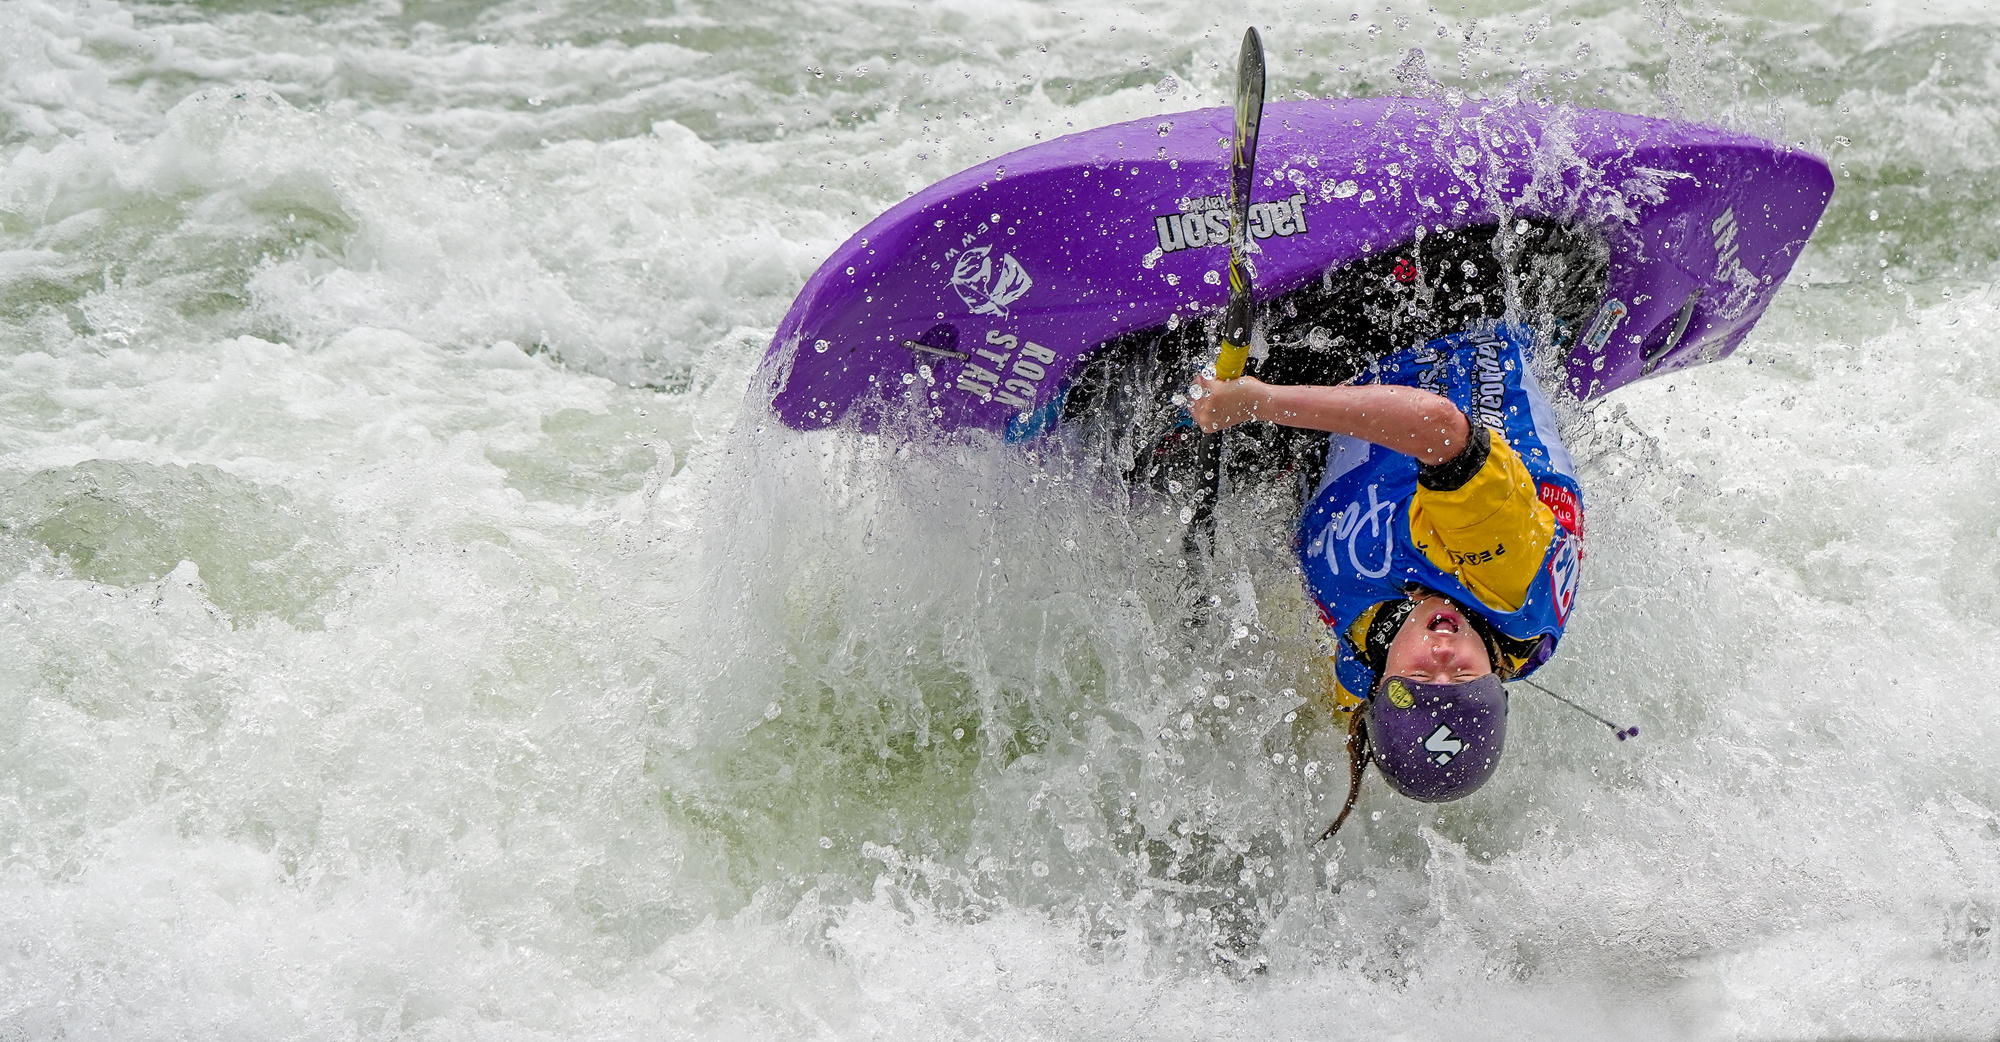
(1491, 533)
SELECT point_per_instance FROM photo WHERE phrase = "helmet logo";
(1399, 695)
(1444, 744)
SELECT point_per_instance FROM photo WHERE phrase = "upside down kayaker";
(1442, 546)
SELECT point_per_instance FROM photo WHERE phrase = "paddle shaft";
(1236, 320)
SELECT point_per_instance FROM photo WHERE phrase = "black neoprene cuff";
(1452, 474)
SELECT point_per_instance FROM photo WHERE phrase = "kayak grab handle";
(1674, 338)
(929, 350)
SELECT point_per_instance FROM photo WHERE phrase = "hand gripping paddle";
(1235, 346)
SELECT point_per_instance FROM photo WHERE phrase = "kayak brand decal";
(1741, 285)
(987, 285)
(1205, 222)
(1014, 378)
(1726, 262)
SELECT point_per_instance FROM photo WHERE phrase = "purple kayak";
(974, 303)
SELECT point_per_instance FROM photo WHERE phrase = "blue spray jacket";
(1505, 544)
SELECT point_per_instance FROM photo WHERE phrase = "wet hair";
(1357, 762)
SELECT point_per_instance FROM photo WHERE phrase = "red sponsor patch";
(1562, 502)
(1405, 271)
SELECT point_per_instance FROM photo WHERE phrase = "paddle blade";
(1249, 114)
(1235, 346)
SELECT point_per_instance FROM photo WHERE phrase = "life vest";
(1370, 532)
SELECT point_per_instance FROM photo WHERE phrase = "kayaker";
(1442, 546)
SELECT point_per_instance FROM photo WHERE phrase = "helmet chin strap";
(1622, 732)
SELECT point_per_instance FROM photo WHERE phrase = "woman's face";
(1437, 646)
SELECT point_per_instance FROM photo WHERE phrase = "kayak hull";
(972, 304)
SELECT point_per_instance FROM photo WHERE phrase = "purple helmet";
(1438, 742)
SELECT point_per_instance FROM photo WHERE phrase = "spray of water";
(407, 629)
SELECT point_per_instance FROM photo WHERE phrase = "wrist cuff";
(1452, 474)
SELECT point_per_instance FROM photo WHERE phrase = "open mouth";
(1443, 622)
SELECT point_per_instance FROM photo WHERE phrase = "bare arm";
(1403, 419)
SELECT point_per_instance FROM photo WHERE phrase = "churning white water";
(407, 629)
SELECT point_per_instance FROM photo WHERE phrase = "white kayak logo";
(1205, 222)
(988, 286)
(1443, 745)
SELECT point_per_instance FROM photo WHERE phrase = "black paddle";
(1235, 347)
